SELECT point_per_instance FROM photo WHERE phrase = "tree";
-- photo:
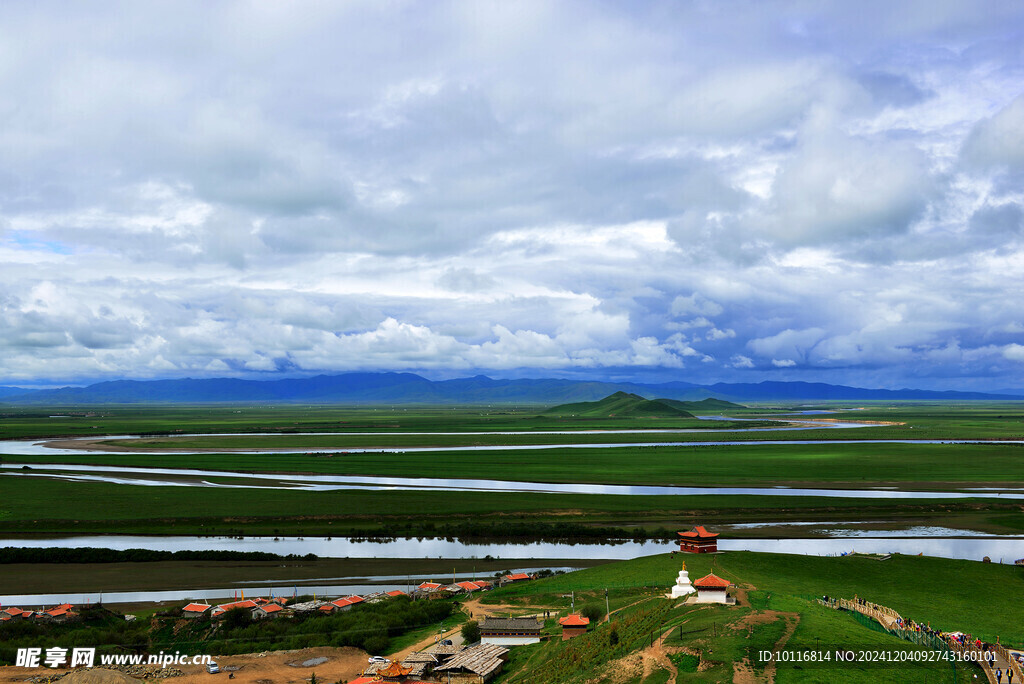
(237, 617)
(376, 644)
(592, 611)
(471, 632)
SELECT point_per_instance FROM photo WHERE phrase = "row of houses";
(63, 613)
(433, 588)
(275, 607)
(263, 608)
(259, 607)
(470, 586)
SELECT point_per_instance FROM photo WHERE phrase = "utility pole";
(607, 610)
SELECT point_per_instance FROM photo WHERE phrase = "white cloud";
(197, 189)
(999, 140)
(740, 361)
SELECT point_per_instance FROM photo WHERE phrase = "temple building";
(698, 540)
(510, 631)
(573, 625)
(712, 589)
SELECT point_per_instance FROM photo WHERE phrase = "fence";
(890, 621)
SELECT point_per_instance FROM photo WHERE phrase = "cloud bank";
(695, 191)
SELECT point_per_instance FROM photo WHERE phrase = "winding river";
(184, 477)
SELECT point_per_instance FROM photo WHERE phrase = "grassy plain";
(914, 466)
(926, 420)
(52, 506)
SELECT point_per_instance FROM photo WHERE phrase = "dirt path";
(792, 620)
(660, 656)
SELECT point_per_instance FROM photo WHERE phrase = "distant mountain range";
(408, 388)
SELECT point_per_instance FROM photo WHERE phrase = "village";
(476, 654)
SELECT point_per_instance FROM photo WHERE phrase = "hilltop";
(702, 406)
(620, 405)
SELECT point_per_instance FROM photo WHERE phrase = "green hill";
(777, 607)
(702, 406)
(620, 405)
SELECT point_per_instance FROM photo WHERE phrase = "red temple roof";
(394, 670)
(574, 620)
(712, 581)
(699, 532)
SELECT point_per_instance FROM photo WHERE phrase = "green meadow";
(902, 420)
(778, 607)
(916, 466)
(42, 506)
(53, 506)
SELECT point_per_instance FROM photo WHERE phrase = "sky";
(698, 191)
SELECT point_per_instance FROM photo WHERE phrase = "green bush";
(471, 632)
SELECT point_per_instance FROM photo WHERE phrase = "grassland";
(55, 507)
(897, 420)
(52, 506)
(915, 466)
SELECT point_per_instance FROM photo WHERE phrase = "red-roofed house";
(341, 604)
(698, 540)
(515, 577)
(396, 593)
(194, 610)
(219, 611)
(16, 613)
(471, 586)
(712, 589)
(61, 613)
(270, 610)
(573, 625)
(429, 586)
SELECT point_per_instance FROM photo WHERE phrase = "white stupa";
(683, 586)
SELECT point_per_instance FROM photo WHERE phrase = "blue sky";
(702, 191)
